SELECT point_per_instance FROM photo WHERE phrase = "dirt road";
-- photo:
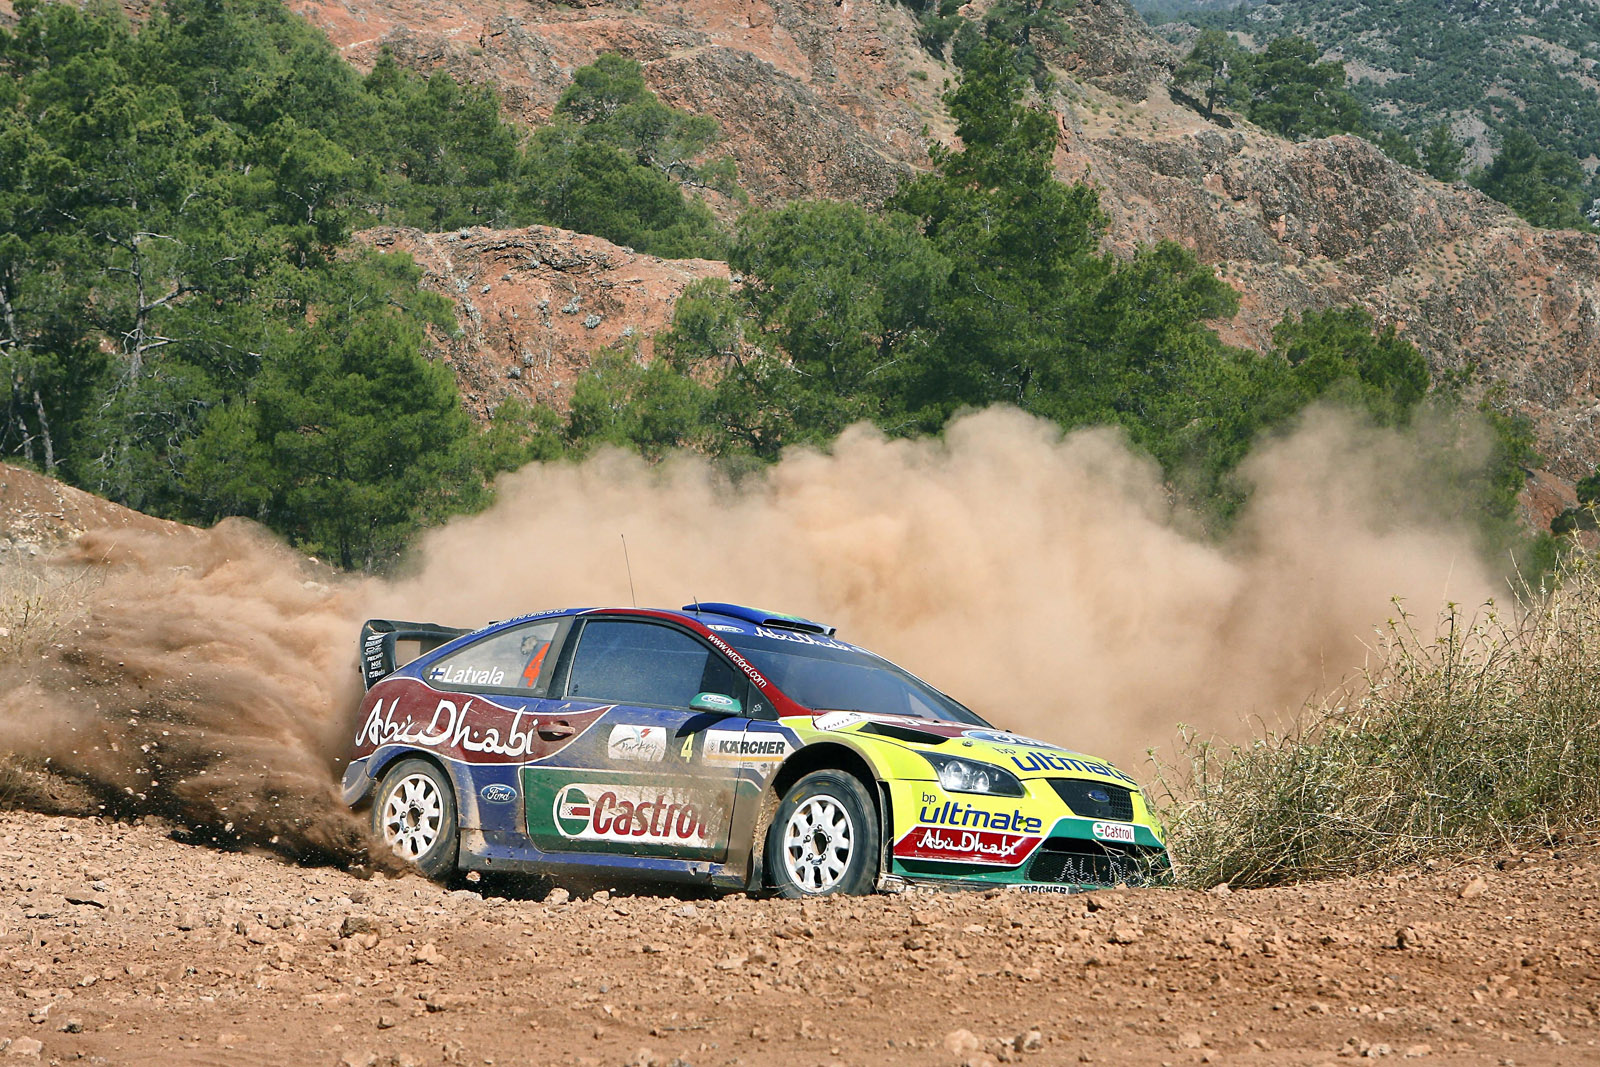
(121, 945)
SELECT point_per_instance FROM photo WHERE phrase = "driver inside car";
(534, 648)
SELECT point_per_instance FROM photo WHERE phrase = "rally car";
(721, 745)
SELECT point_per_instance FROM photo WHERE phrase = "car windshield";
(828, 675)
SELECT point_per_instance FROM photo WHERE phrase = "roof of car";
(713, 615)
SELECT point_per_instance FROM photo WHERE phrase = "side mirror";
(716, 703)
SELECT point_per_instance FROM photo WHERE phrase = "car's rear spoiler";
(379, 637)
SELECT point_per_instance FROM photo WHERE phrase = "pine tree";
(1442, 154)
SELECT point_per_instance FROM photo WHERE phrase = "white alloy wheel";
(817, 843)
(413, 816)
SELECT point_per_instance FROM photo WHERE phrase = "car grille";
(1118, 805)
(1068, 861)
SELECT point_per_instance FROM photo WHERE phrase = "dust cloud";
(203, 676)
(1045, 580)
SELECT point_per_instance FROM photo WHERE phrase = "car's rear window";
(827, 675)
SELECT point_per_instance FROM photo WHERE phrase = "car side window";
(519, 660)
(643, 663)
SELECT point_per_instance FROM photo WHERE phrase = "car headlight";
(970, 776)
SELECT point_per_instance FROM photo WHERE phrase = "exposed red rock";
(814, 100)
(534, 304)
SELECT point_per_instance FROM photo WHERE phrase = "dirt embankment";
(39, 516)
(120, 945)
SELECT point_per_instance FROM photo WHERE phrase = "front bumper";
(1033, 843)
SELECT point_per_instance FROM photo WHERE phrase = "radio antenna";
(629, 565)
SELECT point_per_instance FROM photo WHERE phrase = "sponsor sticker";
(646, 744)
(372, 654)
(1114, 831)
(837, 720)
(1034, 761)
(739, 661)
(1000, 737)
(463, 675)
(720, 628)
(800, 637)
(966, 846)
(497, 793)
(454, 726)
(736, 746)
(637, 814)
(955, 813)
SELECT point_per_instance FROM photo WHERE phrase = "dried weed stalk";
(1483, 735)
(37, 604)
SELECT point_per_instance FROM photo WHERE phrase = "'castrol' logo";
(628, 813)
(1114, 831)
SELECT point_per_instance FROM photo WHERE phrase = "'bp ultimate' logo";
(635, 814)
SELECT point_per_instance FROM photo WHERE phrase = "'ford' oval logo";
(1099, 796)
(497, 794)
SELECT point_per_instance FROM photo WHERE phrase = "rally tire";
(823, 839)
(415, 815)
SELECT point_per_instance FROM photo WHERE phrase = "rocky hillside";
(833, 101)
(1480, 67)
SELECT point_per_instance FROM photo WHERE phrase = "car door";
(633, 782)
(482, 708)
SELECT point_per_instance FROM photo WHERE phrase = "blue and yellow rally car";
(721, 745)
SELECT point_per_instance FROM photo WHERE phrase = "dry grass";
(37, 605)
(1482, 735)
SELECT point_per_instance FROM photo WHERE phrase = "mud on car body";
(720, 745)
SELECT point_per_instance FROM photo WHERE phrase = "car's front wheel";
(415, 814)
(824, 838)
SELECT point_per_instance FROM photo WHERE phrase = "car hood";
(1026, 757)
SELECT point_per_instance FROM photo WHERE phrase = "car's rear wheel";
(824, 838)
(415, 814)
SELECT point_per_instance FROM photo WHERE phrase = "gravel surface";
(122, 945)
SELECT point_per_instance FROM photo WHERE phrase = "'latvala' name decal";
(463, 675)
